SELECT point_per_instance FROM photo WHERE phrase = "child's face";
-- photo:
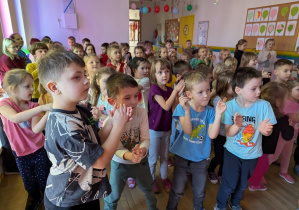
(162, 75)
(283, 73)
(89, 50)
(173, 56)
(25, 90)
(168, 45)
(127, 96)
(19, 40)
(13, 49)
(164, 53)
(92, 65)
(252, 62)
(70, 42)
(85, 43)
(200, 93)
(185, 58)
(209, 54)
(270, 45)
(142, 70)
(295, 93)
(139, 53)
(73, 84)
(203, 52)
(210, 78)
(79, 52)
(104, 50)
(125, 50)
(188, 44)
(115, 55)
(225, 55)
(40, 53)
(102, 82)
(242, 47)
(251, 90)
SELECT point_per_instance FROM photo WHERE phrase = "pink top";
(292, 107)
(20, 135)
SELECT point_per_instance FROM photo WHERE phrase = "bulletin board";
(186, 29)
(172, 30)
(279, 22)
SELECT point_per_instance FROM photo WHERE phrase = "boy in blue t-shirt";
(246, 119)
(198, 125)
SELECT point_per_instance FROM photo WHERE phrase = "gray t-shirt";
(73, 145)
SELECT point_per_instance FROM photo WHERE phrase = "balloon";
(189, 7)
(175, 11)
(166, 8)
(145, 10)
(141, 9)
(149, 10)
(157, 9)
(133, 6)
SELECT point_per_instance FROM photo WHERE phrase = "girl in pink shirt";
(23, 126)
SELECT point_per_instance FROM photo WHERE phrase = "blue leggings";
(34, 169)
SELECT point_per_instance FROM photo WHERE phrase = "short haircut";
(36, 46)
(188, 40)
(169, 41)
(202, 47)
(47, 41)
(111, 48)
(184, 54)
(282, 62)
(72, 38)
(85, 40)
(193, 78)
(77, 46)
(165, 64)
(180, 66)
(139, 48)
(47, 37)
(124, 45)
(105, 44)
(243, 75)
(14, 77)
(119, 81)
(203, 69)
(53, 64)
(34, 40)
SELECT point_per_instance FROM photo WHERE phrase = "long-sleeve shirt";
(265, 63)
(6, 64)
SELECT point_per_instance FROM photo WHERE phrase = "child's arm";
(118, 122)
(232, 130)
(38, 123)
(166, 105)
(15, 117)
(262, 57)
(273, 57)
(287, 132)
(214, 128)
(186, 120)
(266, 128)
(294, 117)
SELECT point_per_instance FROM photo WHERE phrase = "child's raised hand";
(127, 70)
(265, 127)
(265, 74)
(180, 86)
(269, 56)
(121, 114)
(238, 120)
(184, 102)
(220, 107)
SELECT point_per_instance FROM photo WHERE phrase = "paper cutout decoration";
(280, 27)
(271, 29)
(248, 29)
(250, 15)
(265, 14)
(255, 29)
(273, 14)
(297, 43)
(257, 15)
(260, 43)
(284, 11)
(291, 28)
(263, 29)
(294, 12)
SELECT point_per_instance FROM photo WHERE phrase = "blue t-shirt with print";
(104, 107)
(247, 143)
(197, 146)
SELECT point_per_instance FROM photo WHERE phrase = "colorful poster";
(255, 29)
(290, 29)
(294, 12)
(273, 14)
(203, 28)
(260, 43)
(248, 30)
(257, 15)
(250, 15)
(284, 12)
(186, 29)
(263, 29)
(271, 29)
(280, 27)
(265, 14)
(172, 30)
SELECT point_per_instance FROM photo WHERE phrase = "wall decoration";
(273, 13)
(297, 43)
(290, 29)
(257, 15)
(271, 29)
(263, 29)
(260, 43)
(280, 28)
(284, 11)
(248, 29)
(250, 15)
(172, 30)
(294, 12)
(265, 14)
(255, 29)
(202, 35)
(186, 28)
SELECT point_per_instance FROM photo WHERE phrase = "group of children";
(130, 112)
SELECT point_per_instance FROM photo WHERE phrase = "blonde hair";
(14, 78)
(223, 51)
(165, 64)
(193, 78)
(86, 57)
(6, 43)
(291, 83)
(112, 47)
(184, 54)
(220, 67)
(246, 57)
(230, 62)
(160, 50)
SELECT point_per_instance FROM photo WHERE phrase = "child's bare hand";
(184, 102)
(290, 121)
(265, 127)
(96, 112)
(238, 120)
(127, 69)
(221, 107)
(47, 107)
(180, 86)
(265, 74)
(121, 114)
(269, 56)
(1, 92)
(137, 154)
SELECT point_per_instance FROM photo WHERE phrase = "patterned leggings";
(34, 169)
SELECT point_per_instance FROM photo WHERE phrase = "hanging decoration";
(145, 10)
(175, 11)
(166, 8)
(157, 9)
(133, 6)
(149, 10)
(189, 7)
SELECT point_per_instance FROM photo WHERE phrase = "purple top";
(159, 119)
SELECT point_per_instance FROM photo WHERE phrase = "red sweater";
(104, 59)
(6, 64)
(121, 69)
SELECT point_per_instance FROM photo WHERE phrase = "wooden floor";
(280, 195)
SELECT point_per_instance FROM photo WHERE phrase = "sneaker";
(169, 163)
(257, 188)
(156, 187)
(213, 177)
(216, 208)
(296, 168)
(237, 207)
(167, 184)
(287, 178)
(131, 183)
(220, 179)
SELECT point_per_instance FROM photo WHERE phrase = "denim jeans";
(182, 168)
